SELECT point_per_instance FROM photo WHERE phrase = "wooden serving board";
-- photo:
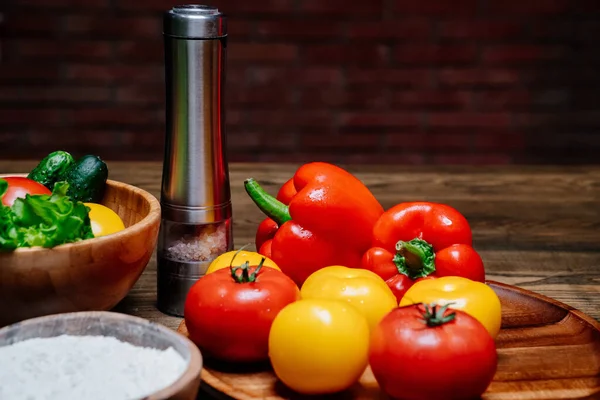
(546, 350)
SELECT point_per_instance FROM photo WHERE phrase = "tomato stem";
(255, 273)
(434, 316)
(415, 258)
(236, 253)
(246, 276)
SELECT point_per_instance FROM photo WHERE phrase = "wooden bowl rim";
(546, 299)
(191, 372)
(153, 216)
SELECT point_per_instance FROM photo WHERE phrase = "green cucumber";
(52, 168)
(87, 179)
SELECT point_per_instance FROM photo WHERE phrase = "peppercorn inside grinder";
(196, 224)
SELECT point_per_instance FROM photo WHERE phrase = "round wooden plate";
(546, 350)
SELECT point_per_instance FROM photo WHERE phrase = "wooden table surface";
(535, 227)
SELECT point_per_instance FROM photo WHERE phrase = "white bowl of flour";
(96, 356)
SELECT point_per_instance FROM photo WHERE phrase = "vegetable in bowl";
(19, 187)
(43, 220)
(52, 168)
(86, 176)
(57, 203)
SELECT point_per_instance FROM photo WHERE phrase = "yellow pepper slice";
(103, 220)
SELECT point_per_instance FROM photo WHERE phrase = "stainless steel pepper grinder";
(196, 223)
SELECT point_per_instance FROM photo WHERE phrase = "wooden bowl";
(125, 328)
(89, 275)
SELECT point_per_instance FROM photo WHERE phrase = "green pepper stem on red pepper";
(268, 204)
(414, 258)
(332, 217)
(268, 227)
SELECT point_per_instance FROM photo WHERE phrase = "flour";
(85, 367)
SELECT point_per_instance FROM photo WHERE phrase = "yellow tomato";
(319, 346)
(361, 288)
(475, 298)
(224, 260)
(104, 221)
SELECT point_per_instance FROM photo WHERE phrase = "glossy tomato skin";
(411, 361)
(230, 321)
(18, 187)
(475, 298)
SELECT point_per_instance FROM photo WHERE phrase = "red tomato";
(230, 318)
(411, 360)
(18, 187)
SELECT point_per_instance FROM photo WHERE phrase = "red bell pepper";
(267, 228)
(328, 222)
(419, 240)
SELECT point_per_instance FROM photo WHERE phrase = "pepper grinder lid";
(195, 22)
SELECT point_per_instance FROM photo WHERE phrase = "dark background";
(371, 81)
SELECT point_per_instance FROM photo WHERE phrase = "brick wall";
(394, 81)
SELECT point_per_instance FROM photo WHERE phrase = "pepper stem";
(268, 204)
(434, 316)
(415, 258)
